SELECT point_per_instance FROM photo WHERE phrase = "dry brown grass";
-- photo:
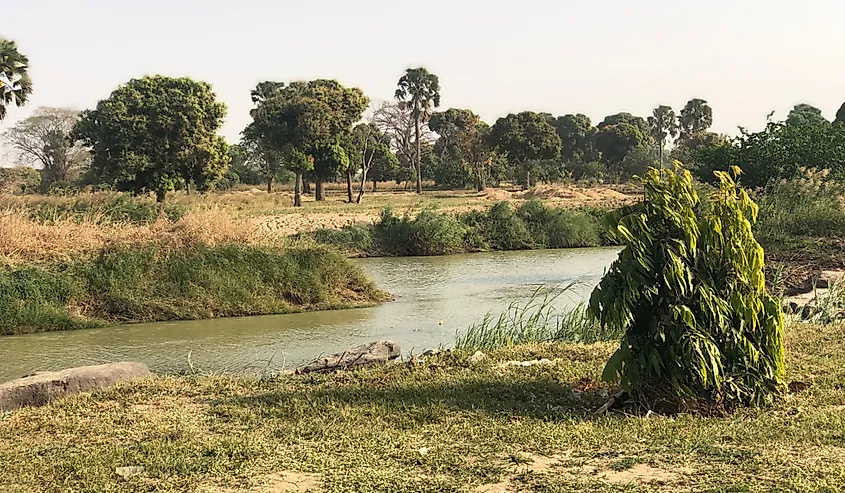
(25, 240)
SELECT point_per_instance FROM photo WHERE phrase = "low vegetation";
(150, 284)
(438, 424)
(427, 232)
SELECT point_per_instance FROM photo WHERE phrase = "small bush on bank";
(427, 233)
(559, 228)
(701, 331)
(147, 284)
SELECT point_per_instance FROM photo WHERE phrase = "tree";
(696, 117)
(636, 121)
(397, 122)
(840, 114)
(370, 148)
(803, 114)
(420, 89)
(329, 162)
(462, 144)
(688, 291)
(577, 136)
(265, 90)
(302, 120)
(15, 84)
(44, 139)
(663, 125)
(154, 132)
(616, 141)
(525, 137)
(384, 166)
(242, 165)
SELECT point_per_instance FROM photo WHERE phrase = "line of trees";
(157, 134)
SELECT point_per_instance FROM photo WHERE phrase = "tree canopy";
(696, 117)
(420, 90)
(525, 137)
(152, 133)
(305, 118)
(15, 83)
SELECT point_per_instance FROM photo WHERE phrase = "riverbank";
(440, 424)
(145, 284)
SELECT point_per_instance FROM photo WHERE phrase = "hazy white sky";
(746, 57)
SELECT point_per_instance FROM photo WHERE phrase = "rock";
(129, 472)
(478, 357)
(43, 387)
(366, 355)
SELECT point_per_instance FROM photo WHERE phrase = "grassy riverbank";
(440, 425)
(124, 285)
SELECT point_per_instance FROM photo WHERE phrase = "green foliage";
(153, 133)
(558, 228)
(577, 135)
(20, 180)
(15, 84)
(428, 233)
(524, 138)
(146, 285)
(689, 292)
(779, 152)
(504, 229)
(696, 117)
(803, 114)
(419, 89)
(617, 141)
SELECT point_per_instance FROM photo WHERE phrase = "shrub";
(347, 239)
(504, 229)
(428, 233)
(700, 329)
(559, 228)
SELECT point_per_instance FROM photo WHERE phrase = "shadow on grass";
(541, 399)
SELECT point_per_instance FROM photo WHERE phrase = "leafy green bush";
(428, 233)
(559, 228)
(347, 239)
(700, 329)
(504, 229)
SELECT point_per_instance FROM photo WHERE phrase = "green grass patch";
(145, 285)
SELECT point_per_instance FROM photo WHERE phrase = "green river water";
(456, 291)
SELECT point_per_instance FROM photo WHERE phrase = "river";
(435, 297)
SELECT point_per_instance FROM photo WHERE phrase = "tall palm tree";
(420, 89)
(15, 85)
(663, 124)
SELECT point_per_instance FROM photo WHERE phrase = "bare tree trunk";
(306, 186)
(661, 154)
(160, 195)
(374, 186)
(319, 194)
(527, 179)
(363, 183)
(270, 185)
(419, 146)
(297, 190)
(349, 184)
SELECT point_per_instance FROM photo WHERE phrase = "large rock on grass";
(40, 388)
(366, 355)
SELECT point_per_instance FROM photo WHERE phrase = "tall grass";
(149, 284)
(807, 207)
(535, 321)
